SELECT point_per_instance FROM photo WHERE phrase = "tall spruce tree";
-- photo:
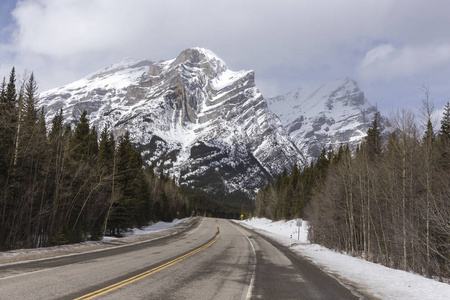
(11, 93)
(57, 130)
(31, 97)
(81, 139)
(8, 120)
(2, 93)
(8, 126)
(444, 133)
(444, 138)
(127, 170)
(373, 138)
(106, 150)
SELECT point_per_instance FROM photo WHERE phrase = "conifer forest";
(66, 185)
(388, 200)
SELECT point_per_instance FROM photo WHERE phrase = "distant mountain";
(192, 117)
(208, 126)
(319, 116)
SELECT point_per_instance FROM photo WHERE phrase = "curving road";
(215, 260)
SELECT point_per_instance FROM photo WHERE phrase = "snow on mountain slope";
(209, 126)
(319, 116)
(191, 116)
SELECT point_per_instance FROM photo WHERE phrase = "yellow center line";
(149, 272)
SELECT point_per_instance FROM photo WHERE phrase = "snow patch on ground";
(367, 277)
(135, 235)
(151, 228)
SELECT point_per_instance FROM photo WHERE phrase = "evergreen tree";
(106, 150)
(444, 138)
(61, 189)
(337, 158)
(2, 94)
(31, 97)
(294, 176)
(129, 167)
(8, 127)
(321, 167)
(93, 143)
(429, 136)
(8, 119)
(373, 138)
(57, 130)
(444, 133)
(11, 94)
(81, 139)
(41, 131)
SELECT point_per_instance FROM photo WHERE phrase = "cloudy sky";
(390, 47)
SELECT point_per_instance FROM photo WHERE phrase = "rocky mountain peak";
(125, 63)
(192, 117)
(210, 127)
(202, 58)
(324, 116)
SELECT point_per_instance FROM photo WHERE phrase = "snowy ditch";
(369, 278)
(151, 232)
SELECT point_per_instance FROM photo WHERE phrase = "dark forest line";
(388, 201)
(66, 185)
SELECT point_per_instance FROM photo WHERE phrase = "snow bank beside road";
(367, 277)
(152, 231)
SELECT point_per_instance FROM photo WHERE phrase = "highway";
(217, 259)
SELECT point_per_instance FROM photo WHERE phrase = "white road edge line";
(201, 221)
(22, 274)
(250, 287)
(92, 251)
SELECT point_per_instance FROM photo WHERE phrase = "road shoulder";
(25, 255)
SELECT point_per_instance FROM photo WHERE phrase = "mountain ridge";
(190, 116)
(209, 127)
(326, 115)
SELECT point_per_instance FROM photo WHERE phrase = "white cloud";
(377, 55)
(66, 28)
(287, 41)
(387, 63)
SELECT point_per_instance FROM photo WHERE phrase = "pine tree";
(321, 167)
(93, 143)
(41, 126)
(31, 97)
(373, 138)
(8, 119)
(293, 177)
(11, 94)
(2, 94)
(337, 157)
(81, 139)
(444, 133)
(444, 138)
(8, 127)
(106, 150)
(57, 130)
(429, 136)
(129, 167)
(18, 129)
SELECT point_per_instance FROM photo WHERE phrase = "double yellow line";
(149, 272)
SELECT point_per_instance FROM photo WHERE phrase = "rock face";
(319, 116)
(192, 117)
(209, 126)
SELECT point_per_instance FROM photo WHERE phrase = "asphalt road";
(201, 263)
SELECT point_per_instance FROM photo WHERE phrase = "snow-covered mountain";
(199, 121)
(319, 116)
(208, 126)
